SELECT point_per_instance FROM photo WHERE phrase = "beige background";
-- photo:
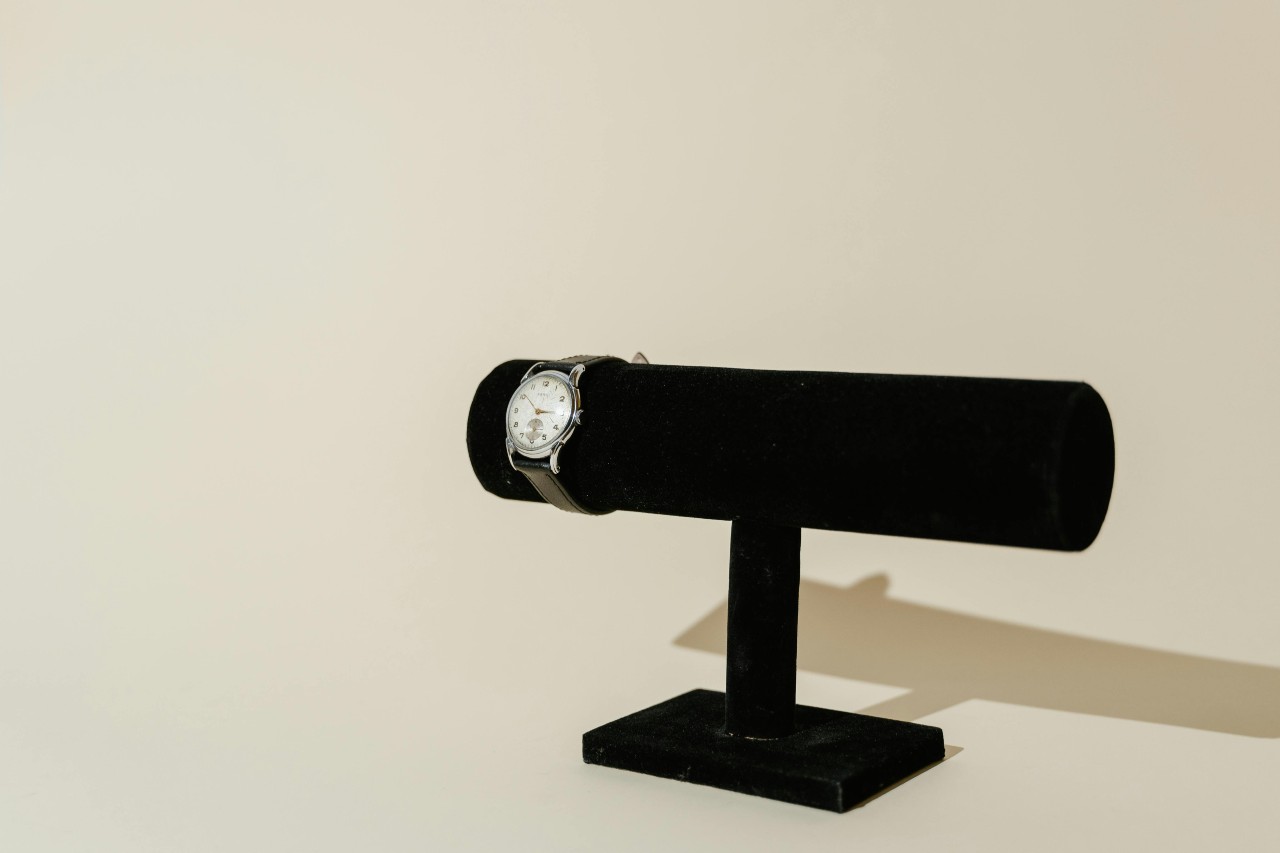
(255, 256)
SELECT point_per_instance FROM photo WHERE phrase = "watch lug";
(532, 370)
(555, 460)
(576, 373)
(511, 449)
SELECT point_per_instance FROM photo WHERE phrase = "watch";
(543, 413)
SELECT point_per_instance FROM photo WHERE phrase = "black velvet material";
(832, 761)
(764, 602)
(1000, 461)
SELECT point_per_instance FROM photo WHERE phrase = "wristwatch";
(543, 413)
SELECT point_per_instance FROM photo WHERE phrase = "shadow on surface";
(945, 658)
(948, 752)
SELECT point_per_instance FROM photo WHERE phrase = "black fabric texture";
(832, 760)
(764, 601)
(1001, 461)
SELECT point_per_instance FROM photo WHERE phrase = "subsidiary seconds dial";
(540, 412)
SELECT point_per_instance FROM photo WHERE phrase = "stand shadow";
(945, 658)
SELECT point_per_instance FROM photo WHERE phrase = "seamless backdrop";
(255, 257)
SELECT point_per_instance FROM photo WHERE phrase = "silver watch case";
(552, 450)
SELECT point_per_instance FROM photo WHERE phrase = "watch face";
(540, 412)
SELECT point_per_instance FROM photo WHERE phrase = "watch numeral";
(562, 399)
(545, 383)
(515, 423)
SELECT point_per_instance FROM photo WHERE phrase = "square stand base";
(833, 761)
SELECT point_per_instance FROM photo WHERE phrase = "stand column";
(764, 590)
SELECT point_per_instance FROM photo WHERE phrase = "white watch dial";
(540, 412)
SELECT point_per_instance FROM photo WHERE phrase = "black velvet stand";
(1008, 462)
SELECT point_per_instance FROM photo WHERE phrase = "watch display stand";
(1009, 462)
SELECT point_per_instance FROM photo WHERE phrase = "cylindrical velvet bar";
(1000, 461)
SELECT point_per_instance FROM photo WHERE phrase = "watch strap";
(566, 365)
(538, 472)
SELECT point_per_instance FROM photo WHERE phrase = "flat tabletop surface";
(256, 257)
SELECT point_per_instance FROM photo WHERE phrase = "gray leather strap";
(549, 486)
(538, 471)
(564, 365)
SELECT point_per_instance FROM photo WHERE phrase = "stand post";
(764, 591)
